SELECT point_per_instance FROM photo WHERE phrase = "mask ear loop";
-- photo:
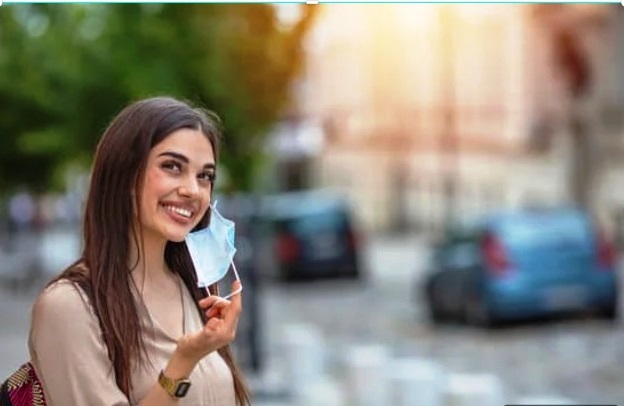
(208, 294)
(234, 293)
(240, 287)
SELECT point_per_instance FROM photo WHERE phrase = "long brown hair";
(102, 270)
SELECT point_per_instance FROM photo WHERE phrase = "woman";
(126, 324)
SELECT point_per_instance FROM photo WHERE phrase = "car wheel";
(477, 312)
(610, 312)
(436, 314)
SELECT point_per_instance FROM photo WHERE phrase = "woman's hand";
(219, 330)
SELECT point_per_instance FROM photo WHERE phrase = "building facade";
(433, 111)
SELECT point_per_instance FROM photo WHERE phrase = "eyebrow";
(183, 158)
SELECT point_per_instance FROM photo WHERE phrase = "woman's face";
(177, 185)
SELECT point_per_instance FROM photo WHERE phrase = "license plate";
(565, 297)
(325, 246)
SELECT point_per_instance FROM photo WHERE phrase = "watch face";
(182, 389)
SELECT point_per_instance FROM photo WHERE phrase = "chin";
(176, 237)
(176, 233)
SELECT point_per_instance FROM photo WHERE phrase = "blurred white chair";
(325, 391)
(305, 356)
(414, 381)
(544, 400)
(474, 390)
(367, 375)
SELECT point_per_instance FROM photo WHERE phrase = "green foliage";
(66, 70)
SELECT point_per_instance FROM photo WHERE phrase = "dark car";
(521, 264)
(309, 235)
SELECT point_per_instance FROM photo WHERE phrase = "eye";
(207, 176)
(172, 166)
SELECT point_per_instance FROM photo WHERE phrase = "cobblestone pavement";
(580, 358)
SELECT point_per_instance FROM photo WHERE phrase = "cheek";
(157, 185)
(150, 194)
(143, 208)
(205, 205)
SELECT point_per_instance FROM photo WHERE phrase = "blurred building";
(419, 104)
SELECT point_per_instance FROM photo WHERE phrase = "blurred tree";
(65, 70)
(572, 61)
(568, 28)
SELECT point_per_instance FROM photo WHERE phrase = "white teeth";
(179, 210)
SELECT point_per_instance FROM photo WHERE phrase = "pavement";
(582, 359)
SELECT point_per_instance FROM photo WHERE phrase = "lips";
(185, 211)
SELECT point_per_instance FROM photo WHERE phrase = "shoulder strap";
(22, 388)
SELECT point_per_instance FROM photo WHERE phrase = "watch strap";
(176, 388)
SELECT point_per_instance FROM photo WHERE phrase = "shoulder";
(62, 300)
(61, 317)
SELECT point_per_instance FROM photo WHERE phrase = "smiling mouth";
(179, 210)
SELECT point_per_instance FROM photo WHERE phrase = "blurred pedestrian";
(126, 324)
(21, 212)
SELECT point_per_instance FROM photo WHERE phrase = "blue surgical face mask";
(212, 250)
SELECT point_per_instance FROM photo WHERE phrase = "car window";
(321, 221)
(459, 249)
(457, 255)
(548, 228)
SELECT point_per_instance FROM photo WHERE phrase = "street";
(580, 358)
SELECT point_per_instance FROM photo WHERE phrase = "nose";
(189, 188)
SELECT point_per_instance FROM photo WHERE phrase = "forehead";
(193, 144)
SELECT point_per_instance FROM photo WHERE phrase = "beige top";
(70, 358)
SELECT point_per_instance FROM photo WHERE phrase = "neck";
(147, 260)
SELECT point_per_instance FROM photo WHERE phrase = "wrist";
(179, 366)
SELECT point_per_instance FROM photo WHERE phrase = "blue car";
(310, 235)
(522, 264)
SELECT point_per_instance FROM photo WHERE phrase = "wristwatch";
(177, 388)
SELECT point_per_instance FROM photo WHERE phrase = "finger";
(215, 312)
(218, 307)
(219, 304)
(210, 313)
(209, 301)
(237, 298)
(232, 312)
(213, 324)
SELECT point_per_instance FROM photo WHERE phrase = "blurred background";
(428, 197)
